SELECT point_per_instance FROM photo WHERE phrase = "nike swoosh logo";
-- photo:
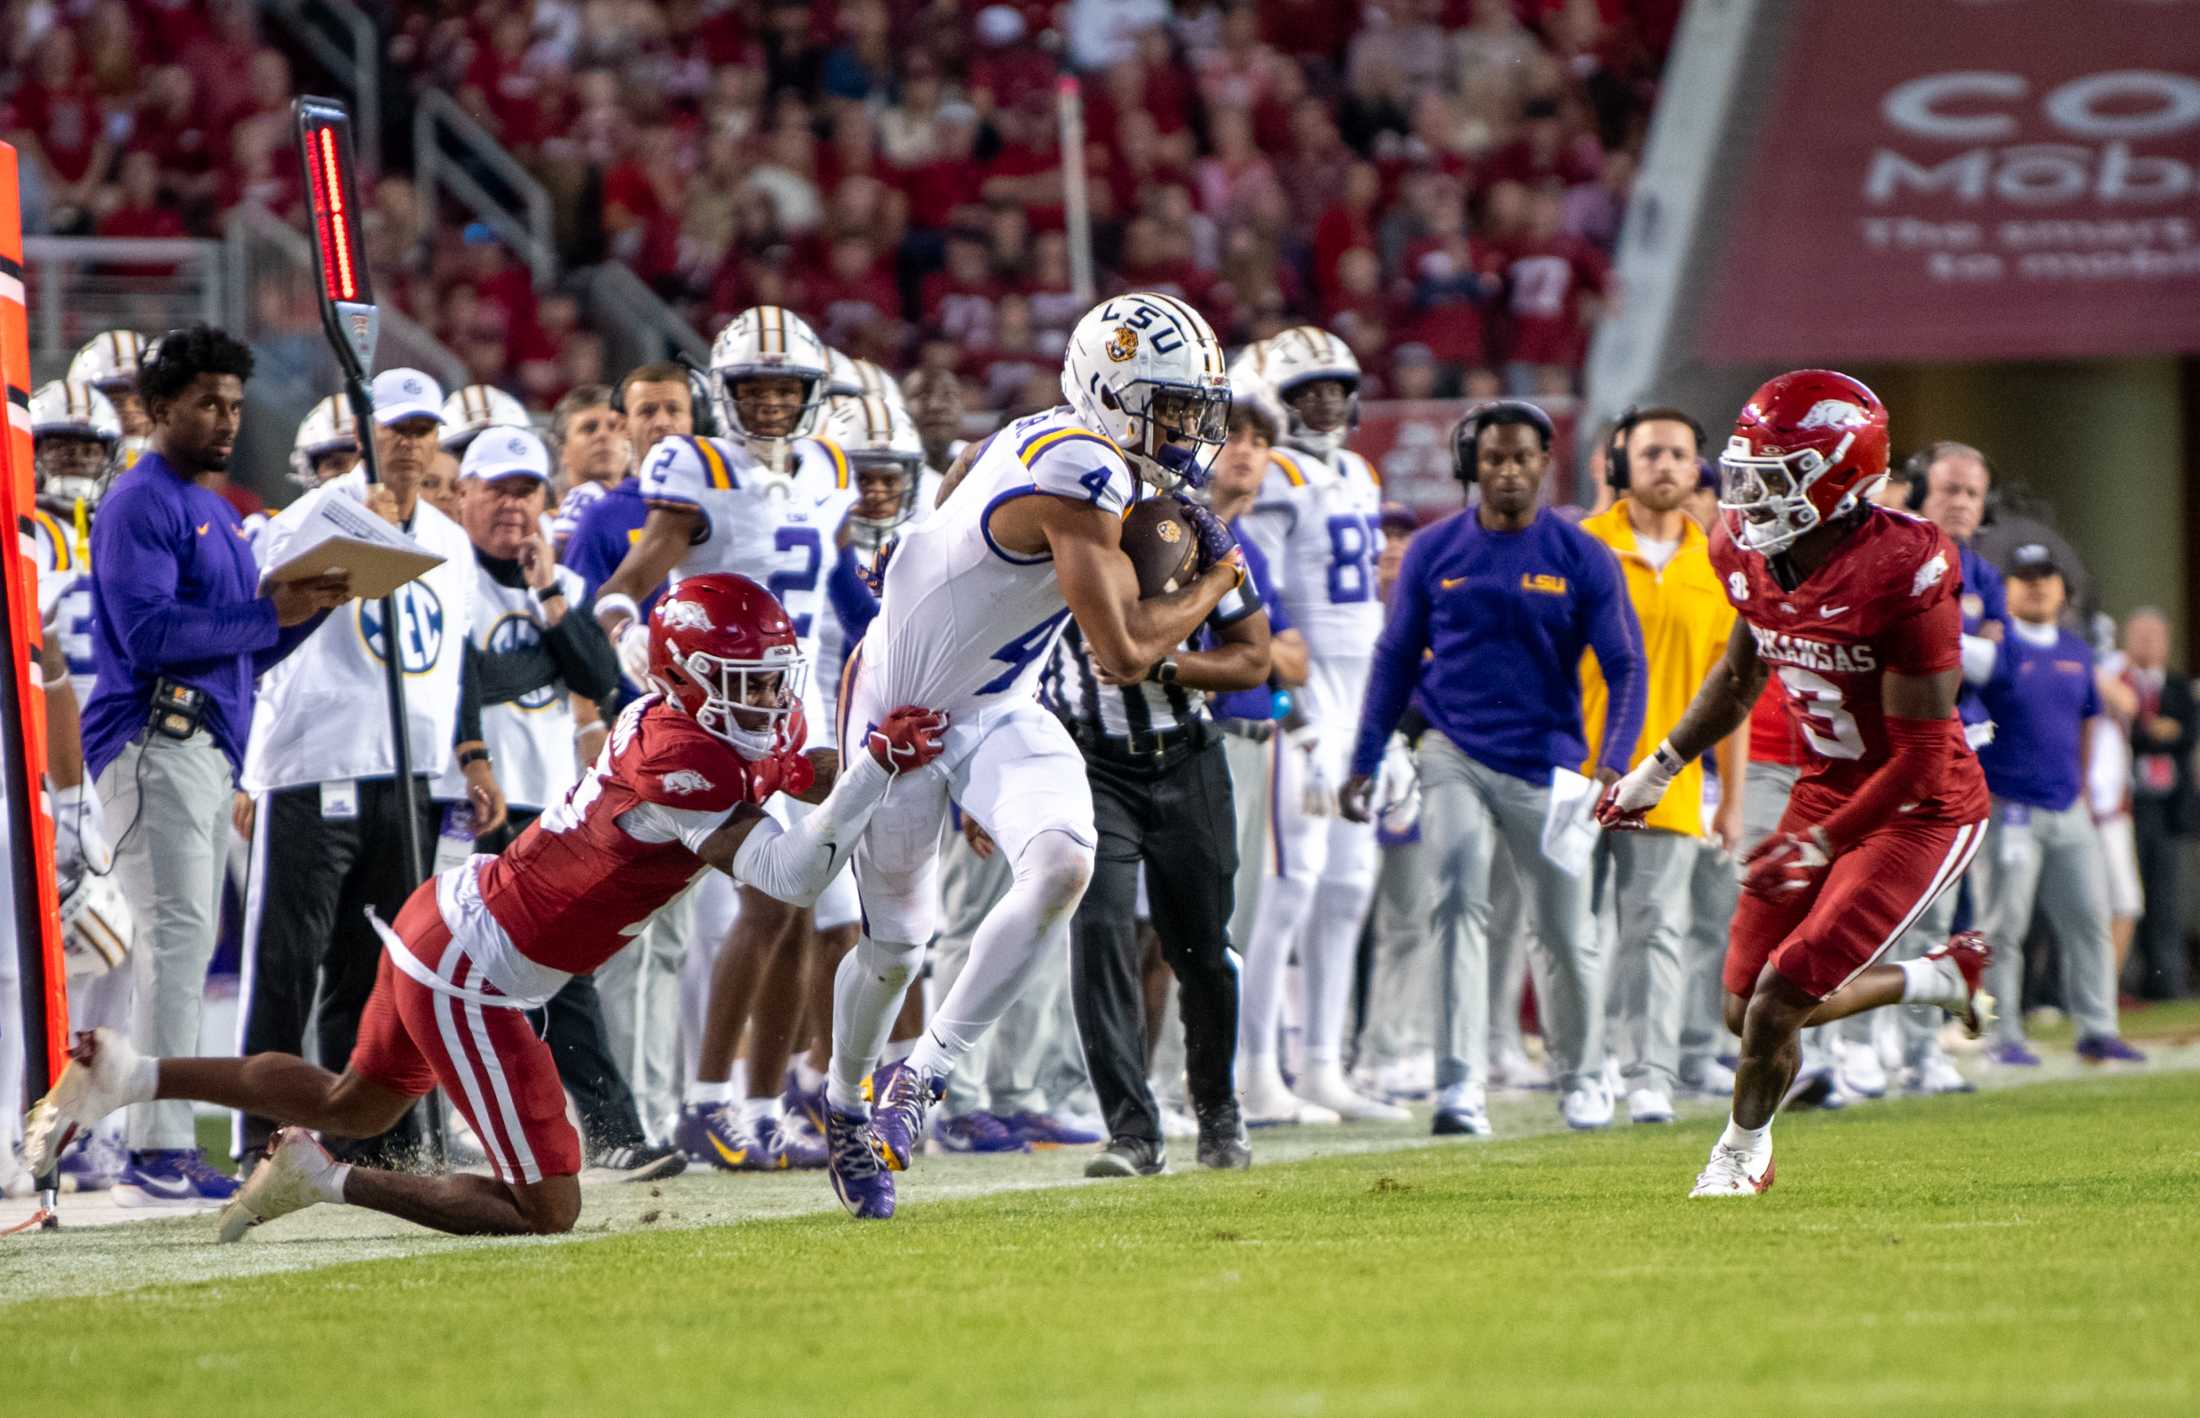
(1450, 581)
(1832, 610)
(203, 527)
(177, 1190)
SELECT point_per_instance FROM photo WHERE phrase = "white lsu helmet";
(69, 408)
(109, 358)
(327, 428)
(1249, 386)
(1303, 355)
(768, 341)
(1145, 368)
(875, 433)
(849, 378)
(477, 407)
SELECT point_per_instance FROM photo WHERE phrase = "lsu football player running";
(973, 601)
(1317, 522)
(766, 500)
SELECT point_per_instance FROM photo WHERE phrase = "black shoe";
(1222, 1141)
(643, 1162)
(1129, 1157)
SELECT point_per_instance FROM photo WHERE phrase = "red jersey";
(588, 874)
(1890, 599)
(1773, 737)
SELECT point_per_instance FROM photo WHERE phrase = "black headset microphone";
(1616, 472)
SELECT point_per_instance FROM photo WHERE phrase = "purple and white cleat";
(863, 1186)
(900, 1098)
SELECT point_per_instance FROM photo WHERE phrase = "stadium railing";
(81, 285)
(454, 155)
(636, 324)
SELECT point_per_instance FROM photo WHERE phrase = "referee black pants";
(1174, 816)
(572, 1025)
(307, 938)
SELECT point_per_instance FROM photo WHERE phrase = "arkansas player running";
(680, 787)
(1857, 610)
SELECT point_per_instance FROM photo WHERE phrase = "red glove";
(907, 738)
(1785, 862)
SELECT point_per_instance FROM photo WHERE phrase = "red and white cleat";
(295, 1175)
(1971, 1006)
(1733, 1172)
(103, 1074)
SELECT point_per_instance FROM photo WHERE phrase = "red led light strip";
(335, 235)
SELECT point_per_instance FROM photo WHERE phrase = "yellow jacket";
(1685, 624)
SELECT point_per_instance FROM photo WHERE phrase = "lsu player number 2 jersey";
(1887, 601)
(964, 623)
(771, 527)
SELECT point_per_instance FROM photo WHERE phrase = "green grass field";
(2028, 1250)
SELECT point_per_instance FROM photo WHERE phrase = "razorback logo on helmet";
(1123, 344)
(685, 615)
(1928, 575)
(1833, 413)
(686, 781)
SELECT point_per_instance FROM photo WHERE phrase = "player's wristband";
(546, 594)
(468, 757)
(1669, 761)
(619, 603)
(1164, 672)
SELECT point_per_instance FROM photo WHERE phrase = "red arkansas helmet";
(1806, 449)
(708, 638)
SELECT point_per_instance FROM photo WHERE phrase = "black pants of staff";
(315, 878)
(1173, 814)
(572, 1025)
(2158, 964)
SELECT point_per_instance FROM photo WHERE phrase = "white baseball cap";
(500, 453)
(401, 394)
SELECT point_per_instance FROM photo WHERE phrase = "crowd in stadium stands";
(1438, 180)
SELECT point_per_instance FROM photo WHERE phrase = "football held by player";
(1856, 610)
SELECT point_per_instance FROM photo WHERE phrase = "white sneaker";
(1267, 1103)
(97, 1080)
(1733, 1172)
(291, 1179)
(1462, 1110)
(1402, 1079)
(1648, 1105)
(1177, 1124)
(1323, 1085)
(1587, 1109)
(1858, 1068)
(1510, 1068)
(1938, 1075)
(1709, 1077)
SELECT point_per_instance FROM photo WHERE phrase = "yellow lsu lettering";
(1542, 583)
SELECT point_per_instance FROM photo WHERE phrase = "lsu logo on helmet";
(1123, 344)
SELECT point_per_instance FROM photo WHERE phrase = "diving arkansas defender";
(974, 597)
(1858, 611)
(680, 787)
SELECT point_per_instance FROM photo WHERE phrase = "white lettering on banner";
(2090, 107)
(2034, 174)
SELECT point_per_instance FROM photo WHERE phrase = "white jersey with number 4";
(965, 623)
(771, 527)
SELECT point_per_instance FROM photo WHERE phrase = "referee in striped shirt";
(1161, 800)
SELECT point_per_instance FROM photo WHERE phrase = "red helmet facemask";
(1807, 448)
(722, 649)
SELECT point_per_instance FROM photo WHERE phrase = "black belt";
(1258, 730)
(1146, 750)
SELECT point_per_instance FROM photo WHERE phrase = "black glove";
(1215, 538)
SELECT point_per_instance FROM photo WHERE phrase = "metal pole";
(1076, 210)
(393, 668)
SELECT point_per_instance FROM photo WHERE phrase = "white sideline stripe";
(248, 950)
(530, 1171)
(1952, 867)
(447, 1025)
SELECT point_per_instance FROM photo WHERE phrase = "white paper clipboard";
(333, 533)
